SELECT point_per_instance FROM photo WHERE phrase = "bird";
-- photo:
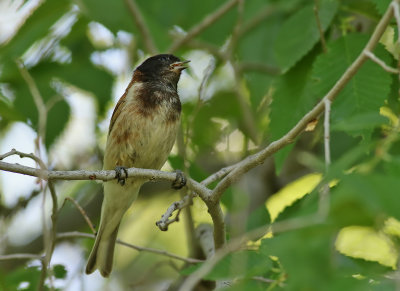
(141, 134)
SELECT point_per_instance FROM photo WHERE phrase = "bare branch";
(206, 22)
(396, 11)
(83, 213)
(75, 234)
(37, 98)
(323, 206)
(141, 25)
(381, 63)
(103, 175)
(164, 222)
(24, 155)
(20, 257)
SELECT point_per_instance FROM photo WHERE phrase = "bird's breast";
(143, 135)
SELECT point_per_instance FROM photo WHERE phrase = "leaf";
(35, 27)
(306, 252)
(365, 92)
(289, 104)
(291, 193)
(257, 218)
(368, 244)
(81, 72)
(381, 5)
(58, 115)
(59, 271)
(300, 33)
(361, 199)
(242, 264)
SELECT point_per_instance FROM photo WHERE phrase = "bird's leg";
(180, 180)
(121, 178)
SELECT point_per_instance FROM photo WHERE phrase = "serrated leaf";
(300, 33)
(365, 92)
(368, 244)
(381, 5)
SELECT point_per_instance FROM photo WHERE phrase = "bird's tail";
(116, 201)
(102, 253)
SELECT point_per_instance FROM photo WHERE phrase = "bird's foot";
(121, 177)
(180, 180)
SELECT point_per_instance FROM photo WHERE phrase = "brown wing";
(117, 111)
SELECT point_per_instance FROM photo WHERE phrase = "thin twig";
(164, 222)
(83, 213)
(324, 192)
(20, 257)
(217, 175)
(24, 155)
(381, 63)
(37, 98)
(206, 22)
(396, 11)
(142, 26)
(321, 31)
(327, 132)
(75, 234)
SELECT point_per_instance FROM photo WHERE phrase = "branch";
(103, 175)
(381, 63)
(164, 222)
(21, 257)
(83, 213)
(141, 25)
(206, 22)
(75, 234)
(258, 158)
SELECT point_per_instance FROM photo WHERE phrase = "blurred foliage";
(269, 63)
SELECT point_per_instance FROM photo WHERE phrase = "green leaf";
(59, 271)
(81, 72)
(308, 258)
(300, 33)
(35, 27)
(12, 281)
(58, 115)
(289, 104)
(361, 199)
(364, 94)
(381, 5)
(243, 264)
(257, 218)
(360, 122)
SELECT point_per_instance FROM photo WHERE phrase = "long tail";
(117, 200)
(102, 254)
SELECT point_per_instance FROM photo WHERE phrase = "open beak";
(179, 65)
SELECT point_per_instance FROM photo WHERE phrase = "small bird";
(141, 134)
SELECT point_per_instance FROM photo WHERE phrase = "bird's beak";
(179, 65)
